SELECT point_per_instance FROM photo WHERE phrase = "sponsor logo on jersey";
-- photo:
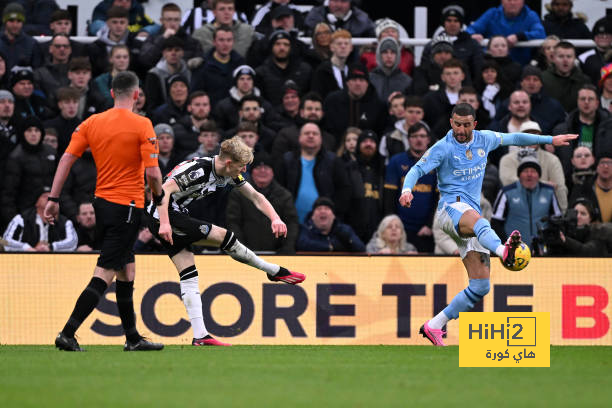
(194, 175)
(468, 154)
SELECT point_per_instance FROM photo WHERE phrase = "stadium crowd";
(334, 126)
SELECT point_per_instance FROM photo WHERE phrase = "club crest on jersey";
(194, 175)
(204, 229)
(468, 154)
(481, 153)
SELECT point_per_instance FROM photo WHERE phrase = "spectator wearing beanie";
(281, 66)
(16, 46)
(27, 102)
(175, 109)
(226, 110)
(357, 105)
(30, 166)
(465, 48)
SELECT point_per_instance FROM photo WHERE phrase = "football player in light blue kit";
(460, 159)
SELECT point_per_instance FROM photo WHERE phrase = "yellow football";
(522, 256)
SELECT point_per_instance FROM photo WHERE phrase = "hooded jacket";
(389, 80)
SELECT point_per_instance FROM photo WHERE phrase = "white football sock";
(438, 321)
(190, 293)
(243, 254)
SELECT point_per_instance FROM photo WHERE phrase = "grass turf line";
(295, 376)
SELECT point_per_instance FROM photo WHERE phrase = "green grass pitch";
(296, 376)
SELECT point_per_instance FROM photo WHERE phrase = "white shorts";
(448, 217)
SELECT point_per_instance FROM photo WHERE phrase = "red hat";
(606, 70)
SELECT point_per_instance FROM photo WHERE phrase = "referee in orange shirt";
(124, 147)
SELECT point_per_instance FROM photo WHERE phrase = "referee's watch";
(54, 199)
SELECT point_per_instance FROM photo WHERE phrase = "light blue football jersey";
(461, 166)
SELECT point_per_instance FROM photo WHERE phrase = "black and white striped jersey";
(196, 179)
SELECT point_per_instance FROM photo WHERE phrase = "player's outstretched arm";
(63, 169)
(165, 229)
(279, 229)
(563, 140)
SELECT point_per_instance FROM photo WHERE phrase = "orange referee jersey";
(122, 144)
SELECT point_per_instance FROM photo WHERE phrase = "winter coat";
(564, 89)
(341, 238)
(341, 111)
(23, 50)
(214, 77)
(465, 49)
(270, 78)
(80, 185)
(253, 229)
(23, 233)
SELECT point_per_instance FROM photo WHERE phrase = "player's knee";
(228, 240)
(480, 286)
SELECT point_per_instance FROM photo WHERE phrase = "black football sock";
(126, 310)
(85, 304)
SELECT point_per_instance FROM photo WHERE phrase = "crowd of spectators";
(334, 126)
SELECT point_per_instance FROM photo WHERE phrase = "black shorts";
(185, 231)
(117, 228)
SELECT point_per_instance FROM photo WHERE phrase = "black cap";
(453, 10)
(262, 158)
(526, 161)
(603, 26)
(277, 35)
(280, 11)
(176, 78)
(531, 70)
(19, 73)
(367, 134)
(324, 201)
(356, 71)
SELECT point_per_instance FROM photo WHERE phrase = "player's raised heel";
(433, 335)
(513, 242)
(142, 345)
(290, 277)
(66, 343)
(208, 341)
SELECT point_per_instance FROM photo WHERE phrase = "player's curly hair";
(236, 150)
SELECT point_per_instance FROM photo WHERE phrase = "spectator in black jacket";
(439, 103)
(17, 47)
(562, 22)
(27, 103)
(498, 50)
(311, 110)
(279, 67)
(250, 111)
(465, 48)
(116, 31)
(215, 75)
(90, 100)
(312, 172)
(187, 129)
(175, 109)
(356, 105)
(29, 168)
(67, 120)
(245, 220)
(427, 76)
(323, 232)
(331, 74)
(599, 192)
(168, 159)
(594, 59)
(86, 229)
(151, 50)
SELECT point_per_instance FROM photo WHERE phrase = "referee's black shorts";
(117, 228)
(186, 230)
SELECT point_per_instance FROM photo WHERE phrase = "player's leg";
(472, 224)
(190, 293)
(85, 304)
(227, 242)
(478, 266)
